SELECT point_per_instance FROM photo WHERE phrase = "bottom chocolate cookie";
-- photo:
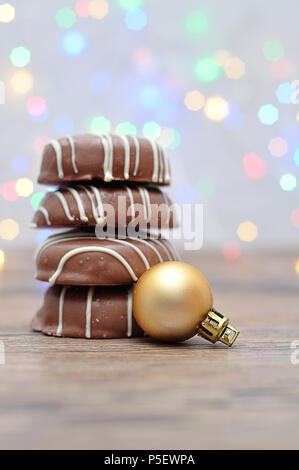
(87, 312)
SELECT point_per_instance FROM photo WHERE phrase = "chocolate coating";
(63, 209)
(66, 312)
(76, 258)
(104, 157)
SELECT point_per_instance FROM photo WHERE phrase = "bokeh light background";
(210, 80)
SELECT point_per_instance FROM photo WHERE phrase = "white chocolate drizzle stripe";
(57, 238)
(77, 236)
(126, 143)
(161, 160)
(97, 194)
(132, 205)
(58, 152)
(135, 248)
(129, 312)
(93, 207)
(72, 144)
(137, 155)
(88, 312)
(78, 201)
(141, 192)
(148, 204)
(45, 214)
(108, 156)
(60, 311)
(166, 165)
(64, 205)
(155, 160)
(85, 249)
(168, 254)
(147, 243)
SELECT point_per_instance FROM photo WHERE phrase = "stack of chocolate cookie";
(106, 181)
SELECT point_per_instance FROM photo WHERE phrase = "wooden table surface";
(131, 394)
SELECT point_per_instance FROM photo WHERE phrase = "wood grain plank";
(136, 393)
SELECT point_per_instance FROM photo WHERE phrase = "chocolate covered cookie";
(104, 157)
(107, 204)
(76, 258)
(87, 312)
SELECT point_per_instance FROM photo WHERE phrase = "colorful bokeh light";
(149, 95)
(196, 22)
(81, 8)
(288, 182)
(36, 106)
(2, 259)
(168, 137)
(66, 17)
(296, 157)
(151, 129)
(247, 231)
(273, 50)
(221, 57)
(20, 56)
(216, 108)
(297, 267)
(136, 19)
(176, 139)
(268, 114)
(281, 68)
(234, 68)
(21, 82)
(74, 43)
(126, 128)
(278, 147)
(8, 191)
(254, 167)
(207, 70)
(285, 93)
(129, 4)
(231, 251)
(9, 229)
(100, 125)
(295, 218)
(194, 100)
(98, 9)
(24, 187)
(36, 199)
(7, 13)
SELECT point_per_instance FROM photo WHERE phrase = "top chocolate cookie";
(104, 157)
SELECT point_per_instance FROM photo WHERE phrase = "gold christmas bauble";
(171, 300)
